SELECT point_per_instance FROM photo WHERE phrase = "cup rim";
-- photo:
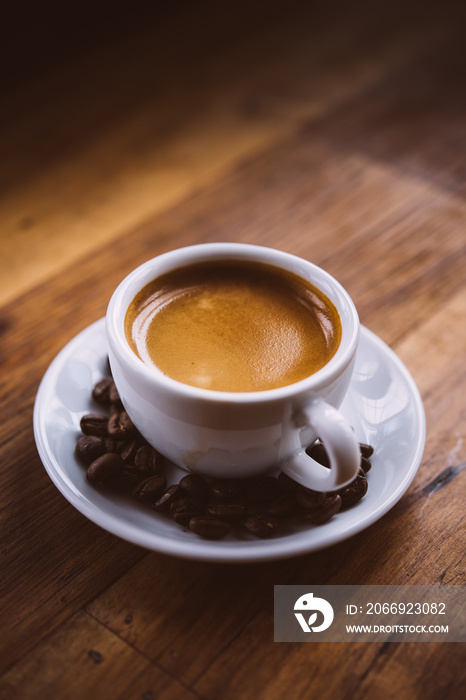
(203, 252)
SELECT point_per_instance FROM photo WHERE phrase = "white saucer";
(383, 404)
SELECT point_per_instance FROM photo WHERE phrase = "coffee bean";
(225, 491)
(260, 525)
(128, 449)
(113, 394)
(261, 489)
(231, 512)
(126, 480)
(101, 391)
(307, 498)
(195, 487)
(282, 506)
(165, 501)
(365, 464)
(119, 458)
(366, 450)
(89, 447)
(286, 484)
(318, 452)
(104, 469)
(95, 424)
(330, 505)
(148, 460)
(183, 509)
(209, 527)
(353, 493)
(150, 489)
(120, 426)
(115, 408)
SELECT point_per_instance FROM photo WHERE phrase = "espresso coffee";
(233, 326)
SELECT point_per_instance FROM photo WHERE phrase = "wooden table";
(337, 134)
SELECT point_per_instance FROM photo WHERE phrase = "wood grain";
(81, 658)
(336, 133)
(115, 140)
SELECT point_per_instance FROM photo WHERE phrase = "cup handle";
(340, 443)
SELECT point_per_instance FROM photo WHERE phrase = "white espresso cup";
(240, 434)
